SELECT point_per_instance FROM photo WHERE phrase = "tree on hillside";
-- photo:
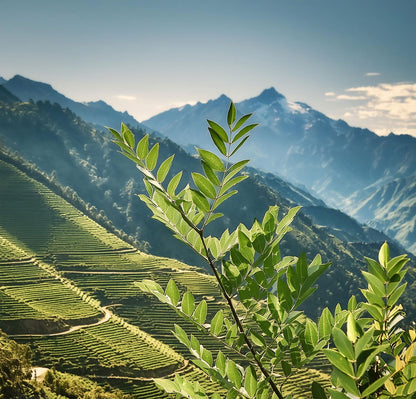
(371, 356)
(15, 367)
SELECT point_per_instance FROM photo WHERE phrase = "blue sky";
(354, 59)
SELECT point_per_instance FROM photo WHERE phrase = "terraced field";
(41, 236)
(58, 267)
(40, 222)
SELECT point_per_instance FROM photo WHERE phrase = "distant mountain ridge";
(330, 158)
(327, 157)
(97, 112)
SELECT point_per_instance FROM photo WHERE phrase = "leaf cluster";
(372, 355)
(262, 290)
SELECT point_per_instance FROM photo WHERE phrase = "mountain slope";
(6, 96)
(328, 157)
(391, 207)
(44, 243)
(97, 112)
(86, 160)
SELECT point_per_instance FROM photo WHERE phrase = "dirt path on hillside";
(38, 373)
(99, 272)
(122, 377)
(107, 315)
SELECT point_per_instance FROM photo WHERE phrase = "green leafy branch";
(371, 356)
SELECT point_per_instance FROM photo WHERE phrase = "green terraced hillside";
(39, 305)
(58, 268)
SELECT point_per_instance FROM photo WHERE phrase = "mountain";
(2, 81)
(79, 156)
(330, 158)
(391, 207)
(97, 112)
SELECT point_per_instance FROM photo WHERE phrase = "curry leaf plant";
(372, 356)
(262, 322)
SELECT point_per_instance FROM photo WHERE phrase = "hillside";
(391, 207)
(83, 158)
(38, 231)
(100, 324)
(330, 158)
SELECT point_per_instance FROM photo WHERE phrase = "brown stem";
(238, 321)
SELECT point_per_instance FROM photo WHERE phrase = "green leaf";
(250, 381)
(241, 121)
(152, 156)
(233, 373)
(181, 335)
(311, 333)
(342, 343)
(244, 131)
(172, 292)
(211, 159)
(367, 357)
(352, 328)
(127, 135)
(239, 145)
(220, 363)
(283, 292)
(384, 255)
(223, 198)
(337, 394)
(204, 185)
(188, 303)
(218, 142)
(173, 184)
(325, 324)
(164, 169)
(231, 183)
(363, 342)
(317, 391)
(231, 114)
(376, 269)
(217, 322)
(115, 133)
(376, 285)
(286, 367)
(166, 385)
(200, 313)
(395, 265)
(235, 169)
(200, 201)
(397, 293)
(339, 361)
(212, 217)
(374, 311)
(222, 134)
(375, 385)
(207, 356)
(373, 298)
(257, 339)
(143, 147)
(209, 172)
(195, 345)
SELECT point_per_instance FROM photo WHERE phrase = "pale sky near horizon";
(354, 60)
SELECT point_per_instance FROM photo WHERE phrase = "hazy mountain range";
(82, 157)
(351, 169)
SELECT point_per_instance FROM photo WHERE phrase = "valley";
(75, 240)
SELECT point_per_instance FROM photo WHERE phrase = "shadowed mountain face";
(330, 158)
